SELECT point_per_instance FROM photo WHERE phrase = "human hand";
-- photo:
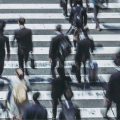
(50, 60)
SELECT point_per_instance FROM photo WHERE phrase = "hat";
(58, 27)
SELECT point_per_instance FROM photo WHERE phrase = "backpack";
(20, 92)
(77, 21)
(64, 49)
(93, 67)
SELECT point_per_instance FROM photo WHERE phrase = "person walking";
(82, 55)
(54, 54)
(78, 19)
(113, 89)
(97, 4)
(3, 40)
(24, 40)
(35, 111)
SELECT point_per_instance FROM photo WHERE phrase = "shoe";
(106, 117)
(66, 15)
(93, 20)
(97, 28)
(53, 118)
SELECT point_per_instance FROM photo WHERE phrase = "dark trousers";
(87, 7)
(96, 10)
(53, 65)
(2, 58)
(65, 6)
(118, 110)
(78, 74)
(55, 103)
(23, 58)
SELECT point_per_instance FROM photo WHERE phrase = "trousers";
(2, 58)
(65, 5)
(23, 58)
(78, 72)
(53, 65)
(96, 10)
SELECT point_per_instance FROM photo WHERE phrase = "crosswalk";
(42, 16)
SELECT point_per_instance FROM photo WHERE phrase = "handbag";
(68, 92)
(32, 61)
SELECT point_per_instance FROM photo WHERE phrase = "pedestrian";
(35, 111)
(24, 40)
(54, 51)
(78, 19)
(58, 88)
(82, 55)
(96, 4)
(3, 41)
(112, 92)
(17, 99)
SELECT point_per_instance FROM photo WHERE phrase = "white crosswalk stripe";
(64, 26)
(85, 113)
(46, 38)
(52, 15)
(68, 64)
(45, 50)
(79, 95)
(46, 6)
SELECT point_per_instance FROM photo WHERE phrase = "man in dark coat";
(96, 4)
(82, 55)
(113, 90)
(36, 111)
(58, 88)
(24, 40)
(54, 54)
(79, 7)
(3, 40)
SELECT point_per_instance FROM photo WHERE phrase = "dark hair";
(22, 21)
(36, 96)
(58, 28)
(117, 59)
(2, 25)
(80, 2)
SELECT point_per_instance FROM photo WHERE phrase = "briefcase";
(68, 92)
(32, 61)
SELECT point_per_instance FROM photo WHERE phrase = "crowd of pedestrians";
(60, 48)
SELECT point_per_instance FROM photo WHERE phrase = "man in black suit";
(82, 55)
(35, 111)
(3, 40)
(24, 40)
(54, 54)
(79, 7)
(113, 90)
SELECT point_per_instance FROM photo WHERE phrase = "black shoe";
(106, 117)
(53, 118)
(66, 15)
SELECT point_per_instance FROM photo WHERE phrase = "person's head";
(117, 59)
(58, 28)
(80, 2)
(19, 73)
(35, 97)
(21, 21)
(2, 25)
